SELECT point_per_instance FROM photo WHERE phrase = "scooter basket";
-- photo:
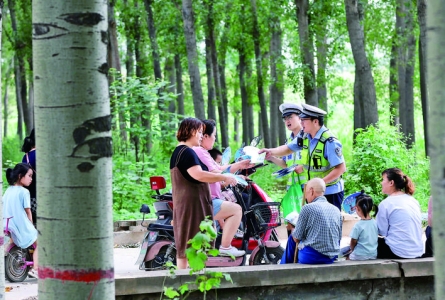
(267, 214)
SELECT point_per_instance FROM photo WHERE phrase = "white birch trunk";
(73, 139)
(2, 235)
(435, 66)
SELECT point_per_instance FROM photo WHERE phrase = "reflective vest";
(315, 163)
(294, 159)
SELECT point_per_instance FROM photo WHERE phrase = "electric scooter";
(259, 238)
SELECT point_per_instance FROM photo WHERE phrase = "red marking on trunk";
(76, 275)
(2, 240)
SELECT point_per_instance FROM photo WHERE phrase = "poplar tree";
(435, 66)
(2, 239)
(73, 138)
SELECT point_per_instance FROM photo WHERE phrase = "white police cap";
(310, 111)
(290, 108)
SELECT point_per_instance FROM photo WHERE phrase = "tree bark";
(322, 93)
(115, 63)
(192, 56)
(153, 42)
(5, 129)
(277, 82)
(211, 111)
(307, 52)
(244, 96)
(179, 85)
(259, 70)
(408, 109)
(365, 103)
(216, 78)
(75, 207)
(169, 71)
(421, 15)
(19, 102)
(393, 86)
(435, 33)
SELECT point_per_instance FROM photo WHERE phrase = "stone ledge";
(142, 282)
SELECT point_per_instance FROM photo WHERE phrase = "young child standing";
(17, 206)
(364, 234)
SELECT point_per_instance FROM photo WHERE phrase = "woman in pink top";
(228, 214)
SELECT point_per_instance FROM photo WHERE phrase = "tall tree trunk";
(435, 32)
(169, 71)
(5, 105)
(222, 52)
(211, 111)
(401, 60)
(129, 28)
(5, 128)
(322, 93)
(192, 56)
(408, 127)
(276, 87)
(179, 85)
(244, 96)
(250, 92)
(307, 52)
(216, 78)
(31, 106)
(259, 70)
(153, 42)
(393, 94)
(421, 14)
(19, 102)
(365, 103)
(20, 73)
(114, 62)
(76, 205)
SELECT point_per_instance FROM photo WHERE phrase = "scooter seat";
(156, 226)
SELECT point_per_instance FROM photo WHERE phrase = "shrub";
(379, 148)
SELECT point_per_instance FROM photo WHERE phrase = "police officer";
(290, 114)
(321, 153)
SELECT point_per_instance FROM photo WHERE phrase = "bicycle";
(18, 261)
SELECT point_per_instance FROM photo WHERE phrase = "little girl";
(364, 234)
(17, 204)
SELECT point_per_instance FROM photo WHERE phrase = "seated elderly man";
(318, 230)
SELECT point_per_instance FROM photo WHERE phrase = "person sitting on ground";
(318, 231)
(17, 207)
(364, 234)
(399, 219)
(289, 255)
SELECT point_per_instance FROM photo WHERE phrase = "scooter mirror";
(144, 209)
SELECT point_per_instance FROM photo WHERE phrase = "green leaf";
(170, 292)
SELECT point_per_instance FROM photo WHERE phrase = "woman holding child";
(399, 218)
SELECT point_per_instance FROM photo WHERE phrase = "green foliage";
(380, 148)
(11, 155)
(201, 247)
(141, 105)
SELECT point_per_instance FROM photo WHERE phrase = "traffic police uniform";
(320, 154)
(295, 157)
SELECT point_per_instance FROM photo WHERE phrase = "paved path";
(124, 259)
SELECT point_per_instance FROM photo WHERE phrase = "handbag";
(292, 200)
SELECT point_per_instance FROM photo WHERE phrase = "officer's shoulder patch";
(338, 151)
